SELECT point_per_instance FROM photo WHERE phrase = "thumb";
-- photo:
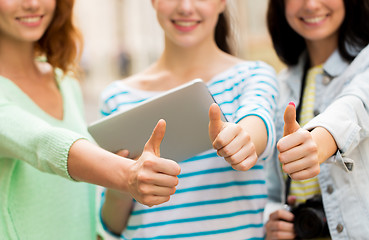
(290, 123)
(153, 144)
(215, 122)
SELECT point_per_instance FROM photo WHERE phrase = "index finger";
(167, 166)
(123, 153)
(290, 141)
(282, 214)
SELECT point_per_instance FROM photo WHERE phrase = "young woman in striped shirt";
(221, 192)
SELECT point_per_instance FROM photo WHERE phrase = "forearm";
(116, 210)
(89, 163)
(150, 180)
(325, 142)
(255, 127)
(347, 120)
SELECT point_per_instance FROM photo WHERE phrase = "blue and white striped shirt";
(212, 200)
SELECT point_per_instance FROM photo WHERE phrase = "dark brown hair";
(62, 42)
(289, 45)
(223, 35)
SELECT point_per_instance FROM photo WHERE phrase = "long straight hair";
(223, 35)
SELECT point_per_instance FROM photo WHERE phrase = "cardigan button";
(339, 228)
(330, 189)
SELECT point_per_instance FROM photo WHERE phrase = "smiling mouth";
(186, 23)
(29, 19)
(314, 19)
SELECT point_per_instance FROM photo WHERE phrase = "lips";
(30, 19)
(314, 20)
(186, 23)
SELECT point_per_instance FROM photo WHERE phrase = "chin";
(33, 37)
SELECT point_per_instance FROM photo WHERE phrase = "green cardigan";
(38, 199)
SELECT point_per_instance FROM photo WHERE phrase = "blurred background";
(122, 37)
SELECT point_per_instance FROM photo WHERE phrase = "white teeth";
(30, 19)
(314, 20)
(185, 24)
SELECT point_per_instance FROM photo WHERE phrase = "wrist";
(325, 142)
(120, 171)
(116, 196)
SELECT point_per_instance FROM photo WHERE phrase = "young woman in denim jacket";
(334, 145)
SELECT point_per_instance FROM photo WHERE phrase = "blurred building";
(123, 37)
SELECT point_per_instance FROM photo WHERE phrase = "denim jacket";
(341, 107)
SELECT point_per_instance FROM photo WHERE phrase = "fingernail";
(292, 103)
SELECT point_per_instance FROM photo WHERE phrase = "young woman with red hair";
(44, 147)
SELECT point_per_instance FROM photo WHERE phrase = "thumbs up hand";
(298, 151)
(231, 141)
(153, 179)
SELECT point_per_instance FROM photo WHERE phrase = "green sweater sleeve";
(26, 137)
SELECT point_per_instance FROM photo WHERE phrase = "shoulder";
(256, 66)
(66, 80)
(252, 71)
(232, 62)
(244, 72)
(361, 61)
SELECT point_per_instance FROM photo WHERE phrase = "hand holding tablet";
(185, 110)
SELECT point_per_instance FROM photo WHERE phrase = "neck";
(184, 61)
(16, 59)
(319, 52)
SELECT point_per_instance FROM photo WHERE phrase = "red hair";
(62, 42)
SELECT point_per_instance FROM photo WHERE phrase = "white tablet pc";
(185, 110)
